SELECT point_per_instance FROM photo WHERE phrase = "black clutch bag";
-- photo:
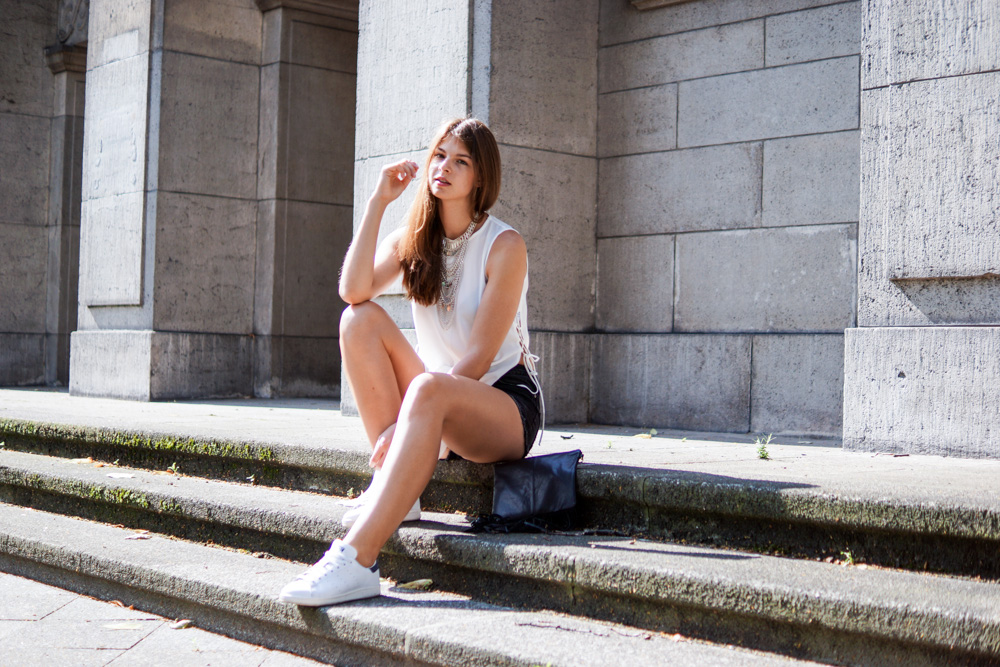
(535, 494)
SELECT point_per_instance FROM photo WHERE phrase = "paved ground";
(43, 625)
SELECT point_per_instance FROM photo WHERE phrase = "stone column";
(529, 69)
(923, 366)
(305, 188)
(68, 61)
(167, 246)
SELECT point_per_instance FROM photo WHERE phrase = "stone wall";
(923, 365)
(727, 214)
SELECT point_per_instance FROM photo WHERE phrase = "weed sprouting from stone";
(762, 444)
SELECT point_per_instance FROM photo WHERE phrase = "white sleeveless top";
(439, 348)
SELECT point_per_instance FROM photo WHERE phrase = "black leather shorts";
(517, 384)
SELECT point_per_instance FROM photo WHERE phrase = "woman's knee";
(361, 318)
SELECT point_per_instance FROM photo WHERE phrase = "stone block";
(208, 126)
(777, 102)
(229, 30)
(185, 365)
(923, 390)
(643, 120)
(549, 198)
(205, 254)
(22, 359)
(622, 22)
(25, 79)
(314, 40)
(689, 55)
(111, 364)
(114, 145)
(310, 367)
(928, 39)
(117, 30)
(698, 382)
(564, 369)
(320, 136)
(316, 237)
(797, 384)
(718, 187)
(814, 34)
(811, 180)
(768, 280)
(287, 366)
(930, 163)
(24, 252)
(543, 74)
(635, 284)
(147, 365)
(401, 100)
(112, 227)
(24, 172)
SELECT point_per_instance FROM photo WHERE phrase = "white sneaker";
(337, 577)
(353, 514)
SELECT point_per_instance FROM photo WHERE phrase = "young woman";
(470, 387)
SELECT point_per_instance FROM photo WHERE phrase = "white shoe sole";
(347, 596)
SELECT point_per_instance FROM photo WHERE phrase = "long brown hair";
(419, 248)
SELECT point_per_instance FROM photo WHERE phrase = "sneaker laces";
(331, 561)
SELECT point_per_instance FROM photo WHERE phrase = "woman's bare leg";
(379, 363)
(475, 420)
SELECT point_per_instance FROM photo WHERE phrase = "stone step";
(935, 529)
(235, 594)
(796, 607)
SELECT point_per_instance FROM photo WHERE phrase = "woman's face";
(452, 174)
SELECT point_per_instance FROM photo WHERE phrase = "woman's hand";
(393, 180)
(381, 447)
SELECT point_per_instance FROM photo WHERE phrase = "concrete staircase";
(669, 567)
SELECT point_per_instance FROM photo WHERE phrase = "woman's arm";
(506, 268)
(366, 272)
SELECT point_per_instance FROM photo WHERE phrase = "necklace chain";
(452, 262)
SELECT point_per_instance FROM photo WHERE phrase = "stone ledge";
(346, 9)
(654, 4)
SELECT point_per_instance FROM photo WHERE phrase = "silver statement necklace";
(452, 261)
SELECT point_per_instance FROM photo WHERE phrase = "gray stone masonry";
(699, 382)
(922, 390)
(728, 186)
(929, 252)
(767, 280)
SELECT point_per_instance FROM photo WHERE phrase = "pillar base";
(923, 390)
(152, 365)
